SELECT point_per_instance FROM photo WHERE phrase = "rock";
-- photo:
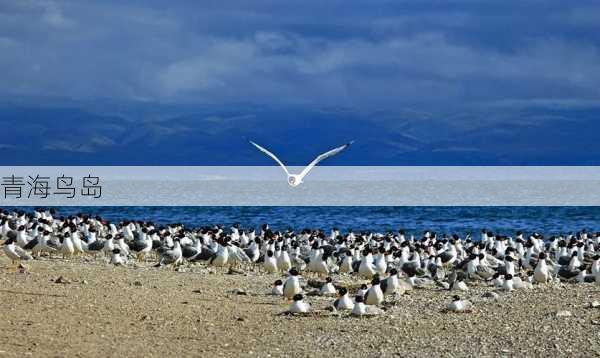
(596, 322)
(240, 292)
(563, 313)
(84, 282)
(491, 295)
(145, 318)
(234, 271)
(240, 319)
(594, 304)
(137, 283)
(196, 291)
(62, 280)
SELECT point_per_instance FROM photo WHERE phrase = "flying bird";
(296, 179)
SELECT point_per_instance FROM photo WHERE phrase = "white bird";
(391, 284)
(508, 284)
(270, 262)
(360, 309)
(459, 285)
(299, 306)
(296, 179)
(519, 284)
(42, 245)
(458, 305)
(366, 268)
(291, 286)
(541, 273)
(67, 247)
(277, 289)
(14, 252)
(283, 261)
(116, 258)
(221, 258)
(346, 266)
(328, 289)
(172, 256)
(344, 302)
(374, 295)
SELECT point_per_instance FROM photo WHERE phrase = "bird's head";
(293, 180)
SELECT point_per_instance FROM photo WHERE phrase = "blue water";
(504, 220)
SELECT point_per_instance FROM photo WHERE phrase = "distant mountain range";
(146, 134)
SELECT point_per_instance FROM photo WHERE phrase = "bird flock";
(383, 264)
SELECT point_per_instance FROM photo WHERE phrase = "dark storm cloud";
(337, 53)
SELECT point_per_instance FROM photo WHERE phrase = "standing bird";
(270, 262)
(541, 273)
(67, 247)
(43, 245)
(221, 257)
(291, 286)
(172, 256)
(366, 268)
(283, 261)
(142, 246)
(14, 252)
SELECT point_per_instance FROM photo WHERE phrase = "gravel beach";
(86, 308)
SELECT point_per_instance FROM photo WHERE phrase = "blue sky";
(462, 65)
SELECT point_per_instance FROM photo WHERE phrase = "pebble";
(234, 271)
(240, 292)
(137, 283)
(491, 295)
(563, 313)
(62, 280)
(594, 304)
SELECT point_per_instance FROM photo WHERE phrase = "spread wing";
(322, 157)
(270, 155)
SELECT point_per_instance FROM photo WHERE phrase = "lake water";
(506, 220)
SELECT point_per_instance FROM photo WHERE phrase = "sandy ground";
(144, 311)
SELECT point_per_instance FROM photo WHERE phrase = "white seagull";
(296, 179)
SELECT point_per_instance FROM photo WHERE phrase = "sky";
(456, 63)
